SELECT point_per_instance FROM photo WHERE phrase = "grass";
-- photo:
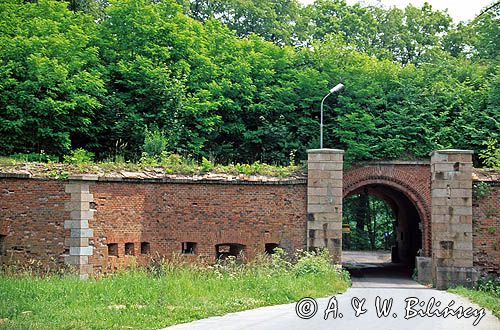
(164, 295)
(486, 299)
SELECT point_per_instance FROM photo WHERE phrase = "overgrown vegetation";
(167, 293)
(486, 294)
(166, 163)
(481, 189)
(241, 81)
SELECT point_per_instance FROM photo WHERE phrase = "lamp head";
(337, 88)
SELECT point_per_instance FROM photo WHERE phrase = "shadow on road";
(375, 270)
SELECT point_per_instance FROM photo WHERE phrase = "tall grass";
(164, 294)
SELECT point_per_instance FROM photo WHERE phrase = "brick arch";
(412, 181)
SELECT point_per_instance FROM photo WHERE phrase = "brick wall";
(32, 218)
(32, 215)
(166, 215)
(486, 230)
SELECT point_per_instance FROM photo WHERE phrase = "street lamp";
(335, 89)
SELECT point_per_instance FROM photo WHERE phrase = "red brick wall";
(412, 180)
(165, 215)
(32, 220)
(486, 230)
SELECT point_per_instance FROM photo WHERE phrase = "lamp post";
(335, 89)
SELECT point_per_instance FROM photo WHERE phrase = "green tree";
(50, 79)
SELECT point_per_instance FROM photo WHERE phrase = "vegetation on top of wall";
(165, 164)
(481, 189)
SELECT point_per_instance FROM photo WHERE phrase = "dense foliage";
(242, 81)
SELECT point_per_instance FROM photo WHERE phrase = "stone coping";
(146, 177)
(478, 174)
(451, 151)
(325, 151)
(393, 162)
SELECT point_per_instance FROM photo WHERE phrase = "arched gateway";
(432, 202)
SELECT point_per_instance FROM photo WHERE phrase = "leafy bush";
(206, 165)
(489, 284)
(313, 262)
(481, 189)
(79, 156)
(491, 154)
(155, 142)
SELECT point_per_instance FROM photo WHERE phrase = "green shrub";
(481, 189)
(79, 156)
(491, 154)
(147, 160)
(313, 262)
(206, 165)
(155, 142)
(489, 284)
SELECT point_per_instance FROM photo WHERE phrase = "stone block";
(447, 277)
(443, 167)
(334, 233)
(460, 228)
(85, 270)
(460, 210)
(79, 241)
(81, 224)
(80, 251)
(84, 177)
(317, 243)
(82, 215)
(76, 260)
(82, 233)
(321, 208)
(71, 188)
(440, 201)
(323, 183)
(441, 192)
(313, 191)
(76, 206)
(336, 175)
(314, 176)
(82, 197)
(424, 269)
(324, 166)
(461, 158)
(460, 192)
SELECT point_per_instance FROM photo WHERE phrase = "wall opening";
(145, 248)
(188, 247)
(2, 245)
(129, 249)
(225, 250)
(112, 250)
(270, 248)
(382, 231)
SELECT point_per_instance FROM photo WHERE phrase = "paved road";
(285, 317)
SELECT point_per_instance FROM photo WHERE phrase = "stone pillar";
(451, 221)
(78, 224)
(324, 200)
